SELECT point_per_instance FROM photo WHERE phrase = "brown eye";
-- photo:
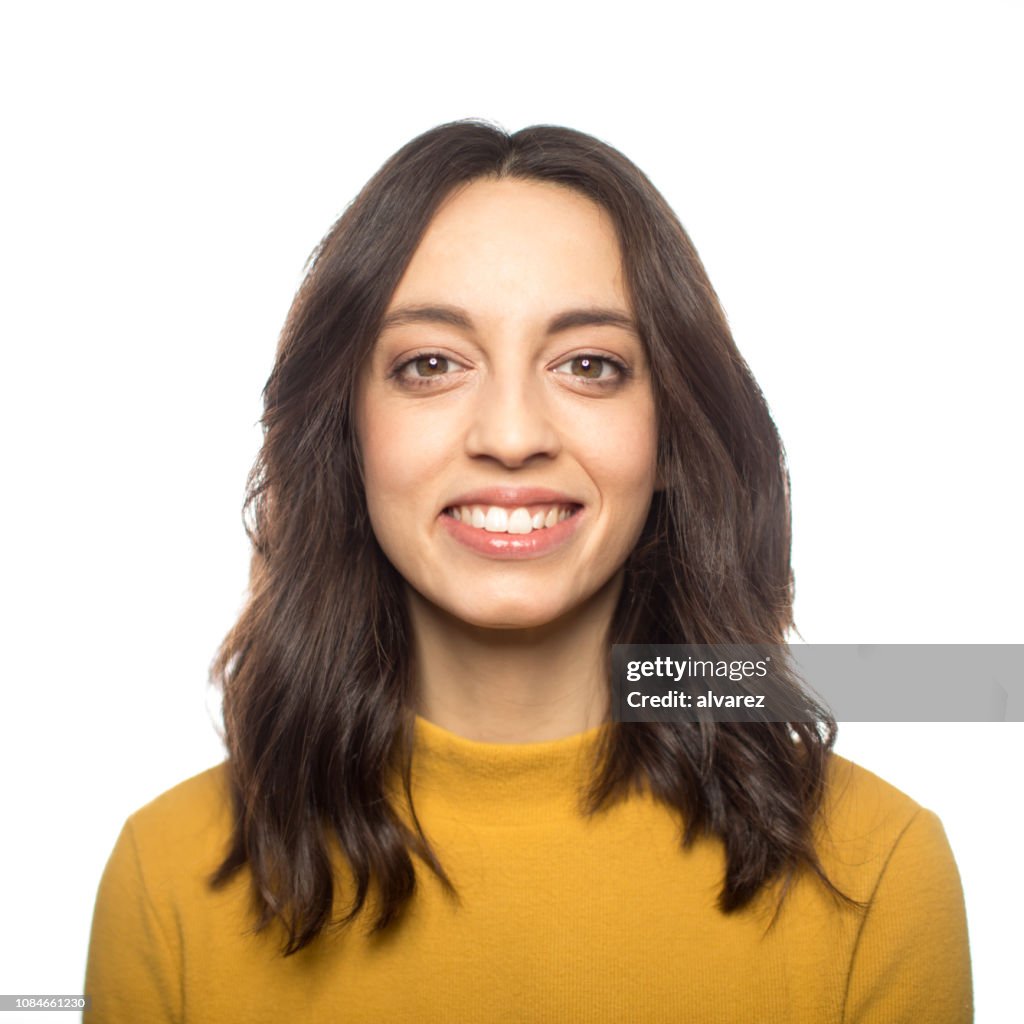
(430, 366)
(427, 370)
(587, 366)
(600, 369)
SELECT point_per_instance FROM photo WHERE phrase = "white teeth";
(519, 521)
(495, 519)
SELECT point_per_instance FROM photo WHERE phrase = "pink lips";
(513, 497)
(512, 545)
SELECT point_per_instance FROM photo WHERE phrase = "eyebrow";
(452, 316)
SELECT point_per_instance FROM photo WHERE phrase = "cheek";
(390, 469)
(389, 480)
(400, 461)
(623, 452)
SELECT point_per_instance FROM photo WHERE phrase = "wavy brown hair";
(315, 674)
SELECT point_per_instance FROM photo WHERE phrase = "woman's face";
(505, 416)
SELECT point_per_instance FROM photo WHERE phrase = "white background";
(850, 175)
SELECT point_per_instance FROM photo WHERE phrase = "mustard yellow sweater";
(561, 918)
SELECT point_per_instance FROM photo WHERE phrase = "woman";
(508, 427)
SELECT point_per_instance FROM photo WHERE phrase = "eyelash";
(623, 372)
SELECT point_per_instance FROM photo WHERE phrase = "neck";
(514, 685)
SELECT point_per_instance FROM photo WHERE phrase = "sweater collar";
(500, 784)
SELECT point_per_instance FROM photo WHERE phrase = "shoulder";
(867, 826)
(910, 955)
(154, 899)
(189, 824)
(858, 797)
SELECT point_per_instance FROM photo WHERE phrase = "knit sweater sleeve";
(132, 973)
(911, 962)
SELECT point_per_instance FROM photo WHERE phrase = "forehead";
(510, 247)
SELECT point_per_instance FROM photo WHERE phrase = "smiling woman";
(508, 427)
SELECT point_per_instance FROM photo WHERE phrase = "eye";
(427, 365)
(423, 369)
(590, 367)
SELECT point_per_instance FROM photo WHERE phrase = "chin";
(506, 614)
(507, 620)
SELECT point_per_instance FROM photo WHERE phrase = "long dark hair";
(315, 673)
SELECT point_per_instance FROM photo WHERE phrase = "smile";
(511, 533)
(522, 520)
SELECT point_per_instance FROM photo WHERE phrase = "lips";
(513, 497)
(512, 522)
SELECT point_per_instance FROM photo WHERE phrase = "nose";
(512, 422)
